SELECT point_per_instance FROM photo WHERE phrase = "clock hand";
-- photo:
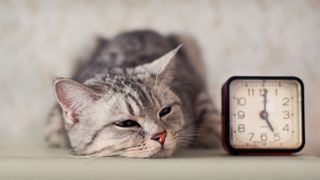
(264, 114)
(265, 100)
(268, 122)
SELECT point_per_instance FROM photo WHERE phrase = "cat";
(140, 94)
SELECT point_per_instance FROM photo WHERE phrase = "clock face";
(265, 113)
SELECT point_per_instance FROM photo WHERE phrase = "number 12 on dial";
(263, 114)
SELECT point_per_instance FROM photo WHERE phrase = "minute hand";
(264, 114)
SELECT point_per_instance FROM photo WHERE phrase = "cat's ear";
(159, 65)
(73, 97)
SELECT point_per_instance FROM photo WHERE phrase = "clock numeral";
(241, 101)
(286, 114)
(251, 136)
(286, 127)
(241, 115)
(276, 136)
(264, 137)
(241, 128)
(250, 92)
(285, 101)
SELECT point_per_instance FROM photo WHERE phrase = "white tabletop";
(47, 163)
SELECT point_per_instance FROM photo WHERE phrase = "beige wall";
(40, 39)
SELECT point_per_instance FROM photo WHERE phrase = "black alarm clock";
(263, 115)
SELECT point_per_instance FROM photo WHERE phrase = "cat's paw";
(56, 140)
(55, 134)
(209, 132)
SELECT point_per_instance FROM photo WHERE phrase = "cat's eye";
(127, 123)
(165, 111)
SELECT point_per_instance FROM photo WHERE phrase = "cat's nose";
(160, 137)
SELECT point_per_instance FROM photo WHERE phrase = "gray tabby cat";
(135, 97)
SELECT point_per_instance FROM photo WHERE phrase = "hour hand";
(265, 116)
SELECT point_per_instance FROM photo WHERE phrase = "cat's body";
(135, 102)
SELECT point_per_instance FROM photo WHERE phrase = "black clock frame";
(226, 118)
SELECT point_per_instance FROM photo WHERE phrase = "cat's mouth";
(164, 150)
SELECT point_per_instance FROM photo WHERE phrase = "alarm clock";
(263, 115)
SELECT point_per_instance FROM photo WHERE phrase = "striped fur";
(135, 76)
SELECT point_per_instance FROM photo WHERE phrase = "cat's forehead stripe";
(142, 95)
(146, 92)
(151, 96)
(157, 98)
(130, 96)
(129, 107)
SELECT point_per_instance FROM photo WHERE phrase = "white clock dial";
(265, 114)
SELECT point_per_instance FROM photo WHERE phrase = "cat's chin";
(156, 153)
(162, 154)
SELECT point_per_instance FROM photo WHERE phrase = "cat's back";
(128, 49)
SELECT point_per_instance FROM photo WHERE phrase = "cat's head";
(131, 113)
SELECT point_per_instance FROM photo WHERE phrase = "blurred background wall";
(40, 39)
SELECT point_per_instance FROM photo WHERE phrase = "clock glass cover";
(263, 114)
